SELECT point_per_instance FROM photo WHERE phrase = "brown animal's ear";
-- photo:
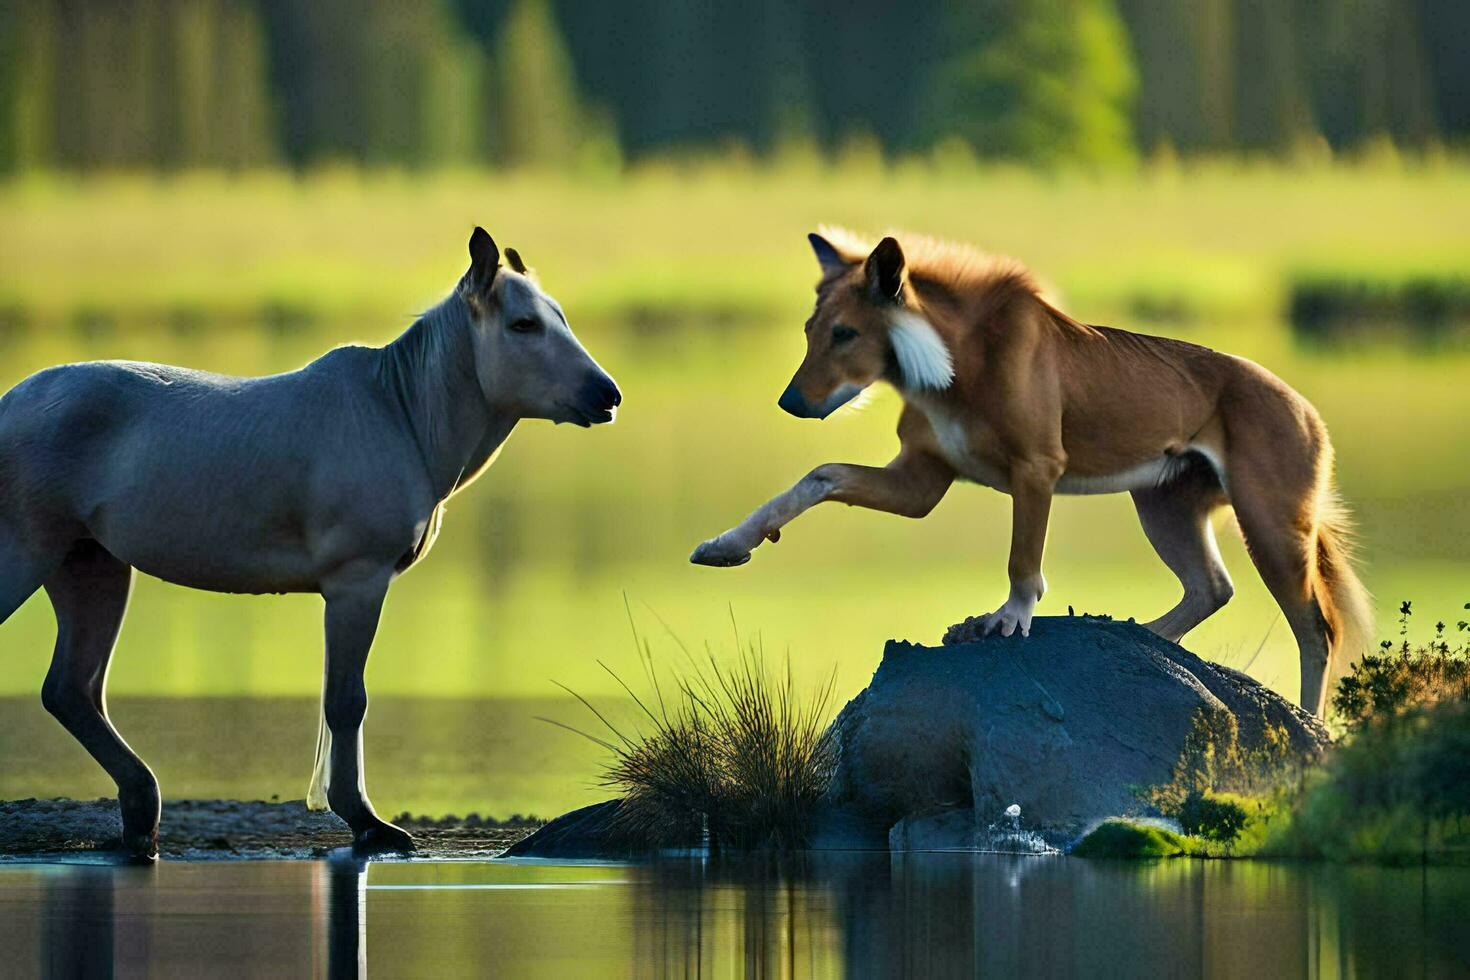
(884, 270)
(827, 255)
(514, 259)
(484, 261)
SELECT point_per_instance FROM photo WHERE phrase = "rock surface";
(1065, 723)
(589, 832)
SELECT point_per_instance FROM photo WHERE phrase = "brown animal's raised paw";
(382, 838)
(715, 555)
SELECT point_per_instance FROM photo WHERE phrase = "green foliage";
(1219, 788)
(230, 83)
(1212, 760)
(732, 752)
(1127, 839)
(1404, 677)
(1228, 826)
(1049, 83)
(1397, 790)
(1326, 306)
(1215, 818)
(540, 121)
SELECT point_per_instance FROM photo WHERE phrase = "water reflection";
(346, 916)
(818, 915)
(78, 924)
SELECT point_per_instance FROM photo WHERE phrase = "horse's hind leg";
(1176, 519)
(90, 594)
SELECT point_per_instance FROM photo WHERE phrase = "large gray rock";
(589, 832)
(1067, 723)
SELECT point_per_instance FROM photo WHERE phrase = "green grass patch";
(1127, 839)
(1246, 834)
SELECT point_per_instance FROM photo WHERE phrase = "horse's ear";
(827, 255)
(514, 259)
(884, 270)
(484, 259)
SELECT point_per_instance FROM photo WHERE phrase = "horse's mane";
(418, 367)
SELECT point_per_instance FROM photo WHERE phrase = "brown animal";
(1001, 388)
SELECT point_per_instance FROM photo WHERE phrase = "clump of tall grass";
(730, 755)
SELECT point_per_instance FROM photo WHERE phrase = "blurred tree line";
(166, 84)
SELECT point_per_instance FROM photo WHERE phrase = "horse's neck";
(430, 369)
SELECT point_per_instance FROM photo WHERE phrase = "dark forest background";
(171, 84)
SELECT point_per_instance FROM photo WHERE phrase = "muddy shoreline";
(229, 830)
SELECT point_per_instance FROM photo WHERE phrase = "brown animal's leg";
(1281, 555)
(1176, 519)
(910, 486)
(90, 594)
(1033, 483)
(352, 620)
(1276, 517)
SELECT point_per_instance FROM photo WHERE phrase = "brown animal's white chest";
(956, 444)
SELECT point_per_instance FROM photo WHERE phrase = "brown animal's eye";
(842, 334)
(525, 325)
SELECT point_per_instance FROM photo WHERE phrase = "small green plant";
(730, 754)
(1404, 676)
(1215, 818)
(1213, 760)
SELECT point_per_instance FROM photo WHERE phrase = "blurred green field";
(689, 281)
(716, 237)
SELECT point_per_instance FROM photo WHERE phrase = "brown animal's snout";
(793, 402)
(598, 399)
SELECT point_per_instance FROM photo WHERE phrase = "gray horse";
(331, 479)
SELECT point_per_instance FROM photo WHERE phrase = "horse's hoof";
(709, 554)
(382, 838)
(141, 846)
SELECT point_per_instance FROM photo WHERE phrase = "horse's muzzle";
(598, 400)
(794, 402)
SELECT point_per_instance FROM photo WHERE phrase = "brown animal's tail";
(1345, 603)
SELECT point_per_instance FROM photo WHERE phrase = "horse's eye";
(525, 325)
(842, 334)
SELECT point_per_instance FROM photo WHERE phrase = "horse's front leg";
(352, 620)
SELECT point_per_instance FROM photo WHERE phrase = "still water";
(928, 915)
